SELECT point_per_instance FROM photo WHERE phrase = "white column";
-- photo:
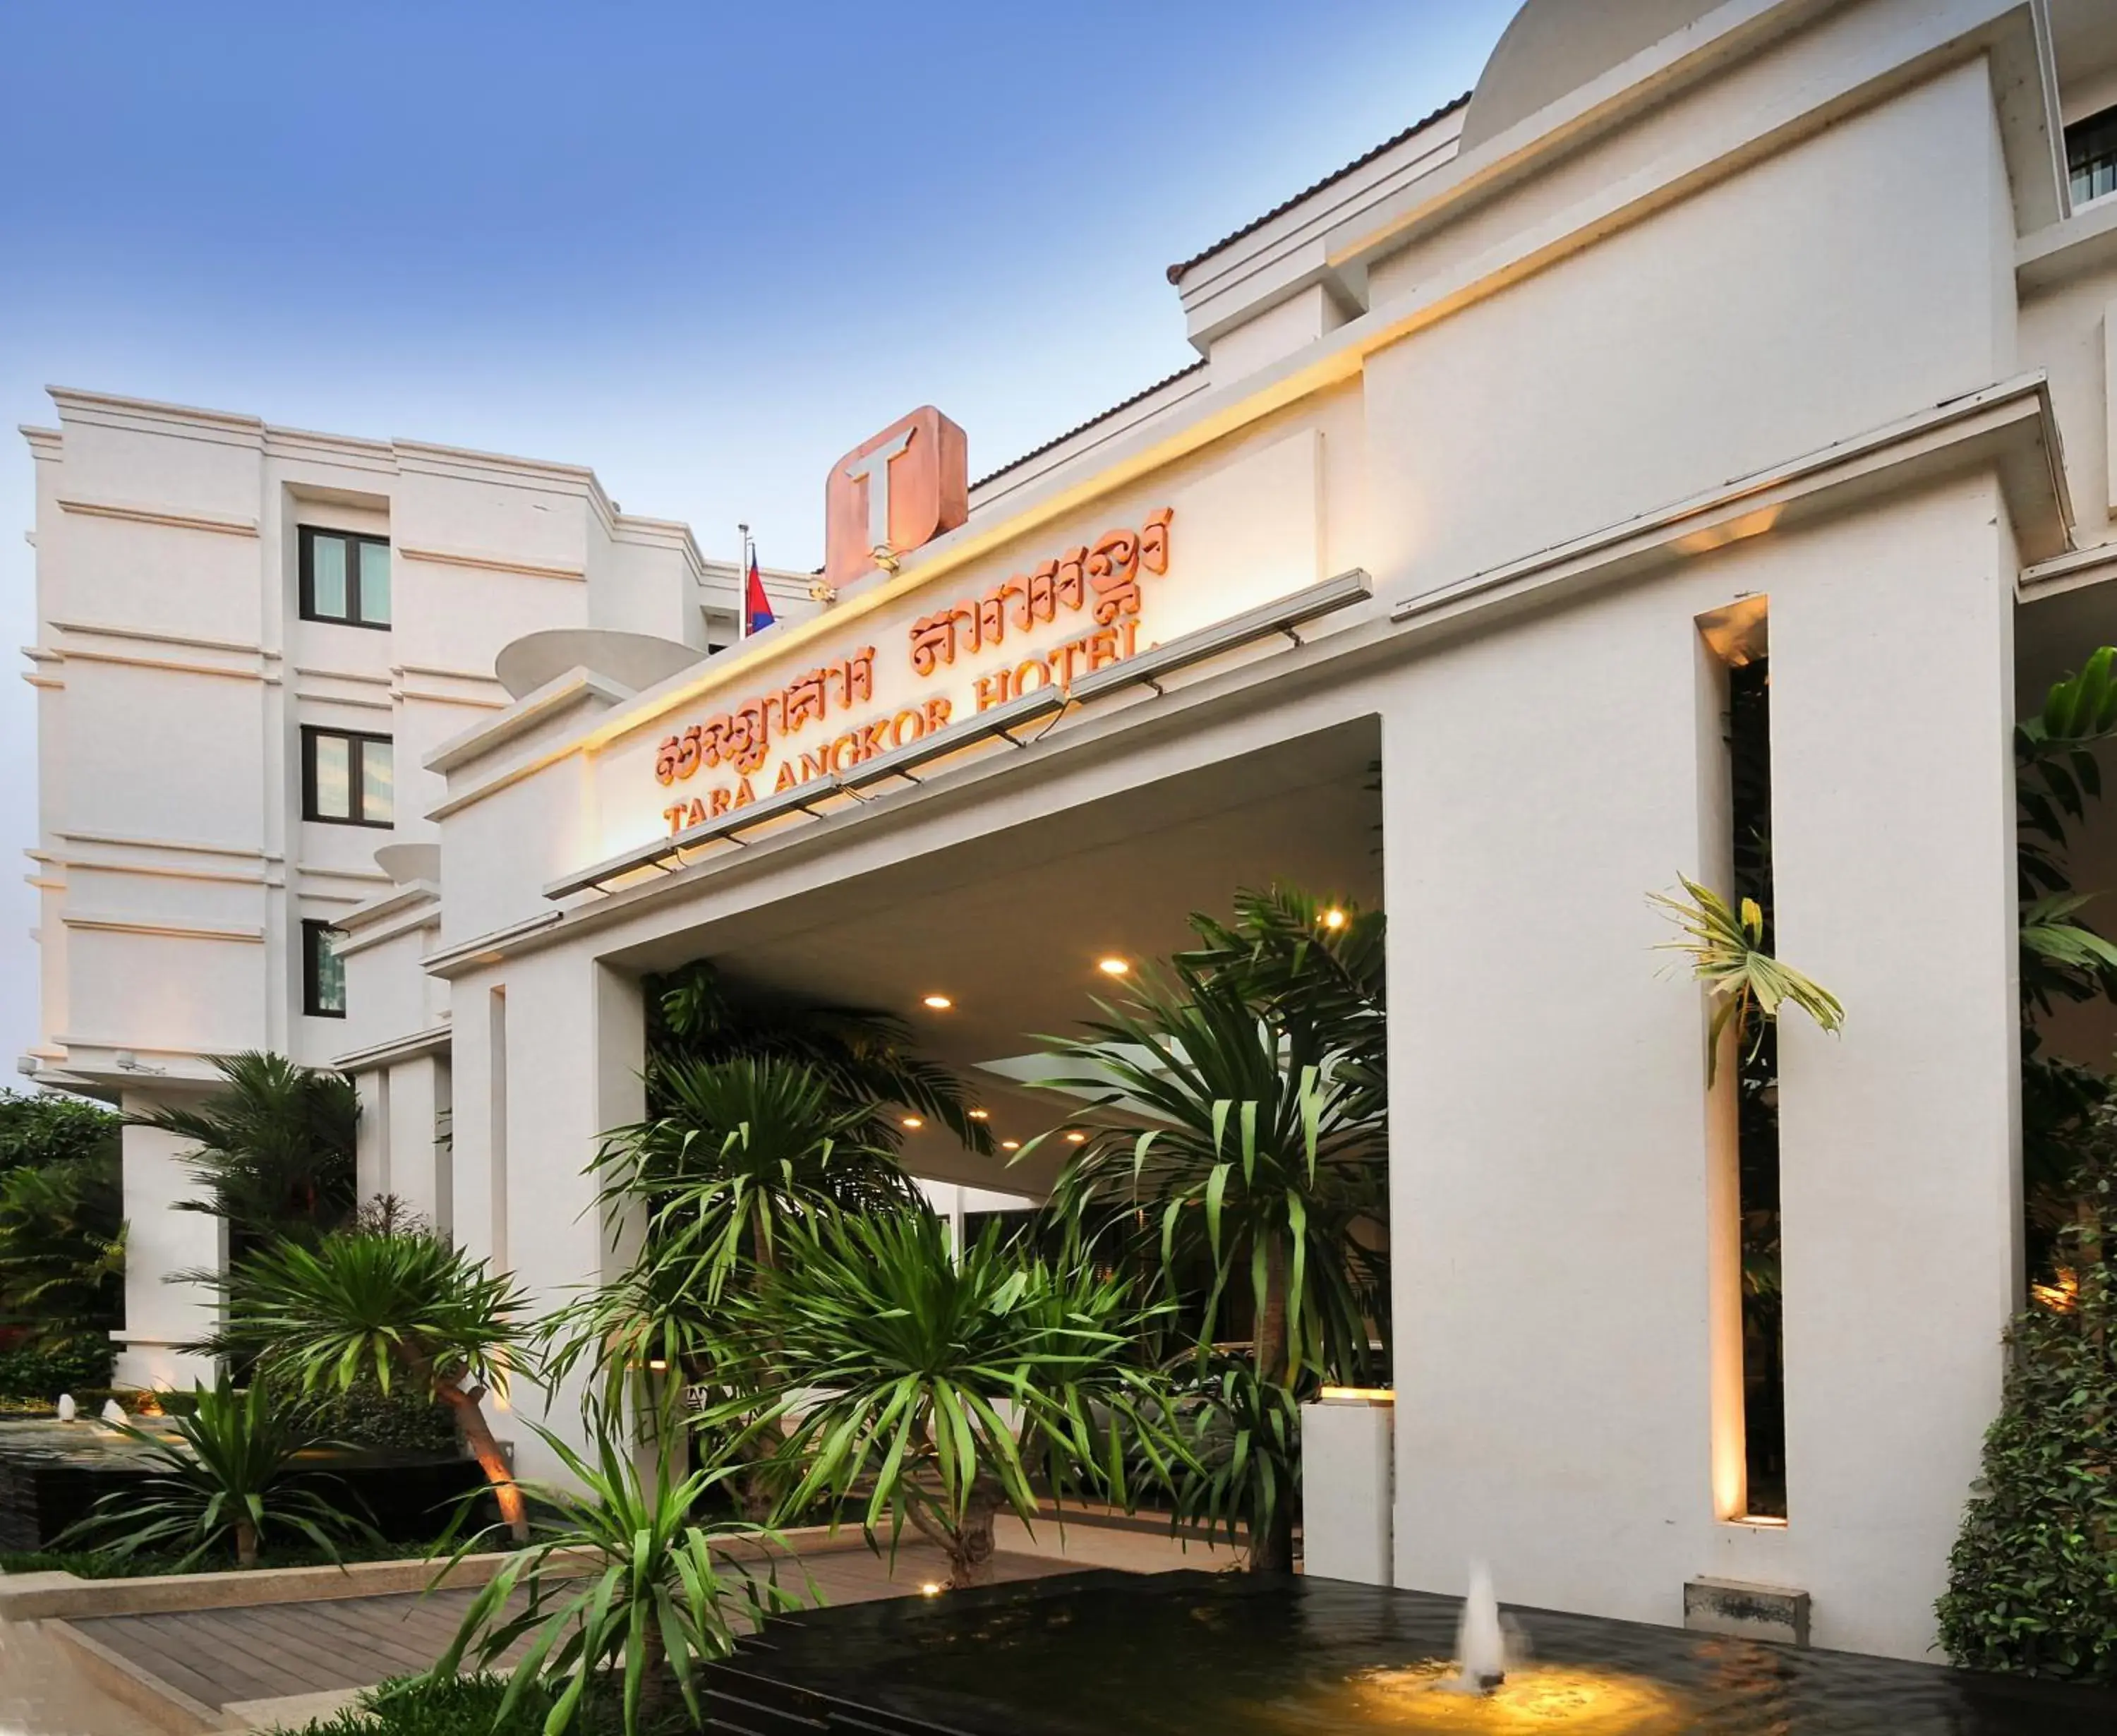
(160, 1241)
(575, 1033)
(1893, 707)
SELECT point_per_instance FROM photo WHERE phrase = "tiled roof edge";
(1060, 440)
(1176, 271)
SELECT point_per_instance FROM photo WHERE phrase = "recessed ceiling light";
(981, 1114)
(1010, 1145)
(913, 1121)
(1076, 1136)
(1112, 967)
(940, 1003)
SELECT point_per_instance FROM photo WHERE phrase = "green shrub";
(400, 1419)
(71, 1365)
(2032, 1581)
(462, 1705)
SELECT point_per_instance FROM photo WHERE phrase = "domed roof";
(1556, 46)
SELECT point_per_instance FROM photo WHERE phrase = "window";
(2091, 156)
(345, 578)
(346, 778)
(323, 972)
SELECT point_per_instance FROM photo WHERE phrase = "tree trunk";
(969, 1545)
(1271, 1546)
(1269, 1344)
(970, 1550)
(245, 1543)
(653, 1677)
(471, 1424)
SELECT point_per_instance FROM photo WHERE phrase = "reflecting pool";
(1197, 1654)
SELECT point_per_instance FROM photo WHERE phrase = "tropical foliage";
(387, 1309)
(1237, 1120)
(742, 1148)
(621, 1588)
(229, 1479)
(61, 1224)
(866, 1060)
(1729, 954)
(940, 1392)
(2032, 1582)
(1242, 1473)
(273, 1153)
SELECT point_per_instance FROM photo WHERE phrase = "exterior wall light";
(1334, 917)
(980, 1114)
(938, 1003)
(1112, 967)
(913, 1121)
(1076, 1136)
(1010, 1145)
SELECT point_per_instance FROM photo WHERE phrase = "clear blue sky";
(703, 249)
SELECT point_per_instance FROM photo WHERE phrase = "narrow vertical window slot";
(1757, 1115)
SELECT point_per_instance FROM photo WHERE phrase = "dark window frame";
(306, 535)
(313, 932)
(2091, 156)
(355, 794)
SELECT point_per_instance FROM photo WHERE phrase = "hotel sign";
(1078, 611)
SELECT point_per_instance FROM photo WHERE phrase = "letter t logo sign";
(872, 467)
(900, 488)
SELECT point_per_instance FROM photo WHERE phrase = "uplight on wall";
(913, 1121)
(1112, 967)
(938, 1003)
(980, 1114)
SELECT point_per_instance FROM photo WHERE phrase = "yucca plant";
(229, 1480)
(622, 1583)
(395, 1308)
(740, 1147)
(1243, 1469)
(1747, 985)
(1241, 1140)
(867, 1060)
(939, 1392)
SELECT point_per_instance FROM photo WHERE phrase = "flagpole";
(742, 582)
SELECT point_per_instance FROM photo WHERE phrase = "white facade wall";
(1792, 310)
(176, 673)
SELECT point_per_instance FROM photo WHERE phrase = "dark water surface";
(1194, 1654)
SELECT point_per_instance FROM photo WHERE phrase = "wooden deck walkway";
(222, 1657)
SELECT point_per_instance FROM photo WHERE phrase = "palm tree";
(1242, 1102)
(275, 1151)
(939, 1389)
(865, 1059)
(404, 1307)
(741, 1148)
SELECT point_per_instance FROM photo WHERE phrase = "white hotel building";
(1700, 331)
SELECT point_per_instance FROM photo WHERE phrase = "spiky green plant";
(274, 1151)
(1747, 985)
(229, 1479)
(1243, 1469)
(740, 1147)
(622, 1581)
(400, 1308)
(867, 1060)
(939, 1391)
